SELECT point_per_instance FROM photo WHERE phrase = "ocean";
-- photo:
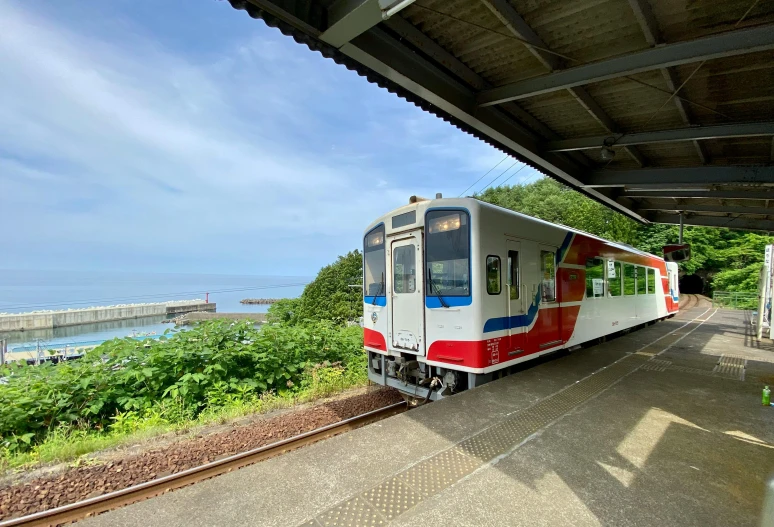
(29, 290)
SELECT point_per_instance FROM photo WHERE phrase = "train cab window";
(548, 273)
(614, 277)
(404, 269)
(595, 277)
(629, 280)
(641, 281)
(447, 253)
(651, 281)
(513, 274)
(374, 264)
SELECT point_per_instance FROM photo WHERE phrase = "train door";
(406, 295)
(547, 331)
(517, 301)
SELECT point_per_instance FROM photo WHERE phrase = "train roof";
(619, 245)
(424, 204)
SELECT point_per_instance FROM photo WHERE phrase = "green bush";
(168, 380)
(328, 297)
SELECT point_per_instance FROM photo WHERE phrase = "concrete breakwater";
(75, 317)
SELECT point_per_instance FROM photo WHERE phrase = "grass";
(72, 443)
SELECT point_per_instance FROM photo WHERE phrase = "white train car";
(457, 290)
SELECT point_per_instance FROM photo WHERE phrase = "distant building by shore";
(260, 300)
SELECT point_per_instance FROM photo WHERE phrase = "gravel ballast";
(78, 483)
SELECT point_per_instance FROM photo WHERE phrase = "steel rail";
(119, 498)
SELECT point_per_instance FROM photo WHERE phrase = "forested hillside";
(727, 260)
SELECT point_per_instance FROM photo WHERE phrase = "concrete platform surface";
(662, 426)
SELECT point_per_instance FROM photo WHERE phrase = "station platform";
(661, 426)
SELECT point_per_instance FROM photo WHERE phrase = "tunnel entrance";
(692, 284)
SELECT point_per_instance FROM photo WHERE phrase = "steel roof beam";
(513, 21)
(734, 194)
(394, 60)
(692, 133)
(644, 15)
(349, 18)
(728, 44)
(596, 111)
(682, 177)
(762, 211)
(749, 224)
(408, 32)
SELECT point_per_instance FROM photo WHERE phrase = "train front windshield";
(374, 263)
(447, 243)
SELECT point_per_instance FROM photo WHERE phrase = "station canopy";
(652, 107)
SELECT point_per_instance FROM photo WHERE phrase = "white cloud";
(238, 162)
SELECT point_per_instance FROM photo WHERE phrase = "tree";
(328, 297)
(729, 260)
(551, 201)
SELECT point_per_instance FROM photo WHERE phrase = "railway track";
(149, 489)
(688, 301)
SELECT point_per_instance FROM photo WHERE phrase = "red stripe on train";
(374, 339)
(485, 353)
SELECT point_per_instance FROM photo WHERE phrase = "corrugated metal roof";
(454, 36)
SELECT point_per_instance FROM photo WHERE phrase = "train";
(457, 291)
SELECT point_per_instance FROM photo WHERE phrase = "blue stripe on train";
(563, 249)
(451, 301)
(518, 321)
(380, 300)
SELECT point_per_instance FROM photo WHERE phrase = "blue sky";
(174, 135)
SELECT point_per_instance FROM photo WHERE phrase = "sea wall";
(76, 317)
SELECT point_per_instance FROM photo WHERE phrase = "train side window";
(513, 274)
(614, 280)
(595, 277)
(493, 275)
(548, 272)
(641, 281)
(651, 281)
(629, 280)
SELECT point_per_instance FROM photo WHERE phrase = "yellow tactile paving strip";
(403, 491)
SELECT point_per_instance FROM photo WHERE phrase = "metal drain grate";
(657, 365)
(731, 366)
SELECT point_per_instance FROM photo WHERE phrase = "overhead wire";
(495, 179)
(495, 31)
(511, 176)
(482, 177)
(573, 59)
(677, 90)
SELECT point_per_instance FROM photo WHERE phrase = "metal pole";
(2, 351)
(767, 518)
(761, 300)
(680, 241)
